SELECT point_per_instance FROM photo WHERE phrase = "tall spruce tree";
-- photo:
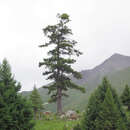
(125, 97)
(15, 111)
(60, 59)
(94, 106)
(36, 101)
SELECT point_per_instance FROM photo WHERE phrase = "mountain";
(120, 79)
(116, 68)
(115, 63)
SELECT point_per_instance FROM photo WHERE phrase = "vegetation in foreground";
(59, 124)
(125, 97)
(55, 124)
(15, 111)
(104, 110)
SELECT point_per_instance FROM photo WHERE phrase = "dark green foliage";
(109, 116)
(15, 111)
(98, 100)
(125, 97)
(36, 101)
(91, 113)
(58, 64)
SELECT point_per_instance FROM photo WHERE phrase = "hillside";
(116, 68)
(120, 79)
(115, 63)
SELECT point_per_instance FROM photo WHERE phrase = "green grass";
(54, 124)
(128, 115)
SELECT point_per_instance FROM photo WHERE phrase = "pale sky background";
(101, 27)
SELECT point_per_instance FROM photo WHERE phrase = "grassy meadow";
(55, 124)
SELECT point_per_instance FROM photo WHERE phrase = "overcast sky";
(101, 27)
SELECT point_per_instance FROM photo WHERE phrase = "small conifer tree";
(125, 97)
(15, 111)
(109, 116)
(95, 106)
(36, 101)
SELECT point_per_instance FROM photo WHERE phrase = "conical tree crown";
(125, 97)
(36, 99)
(6, 76)
(15, 111)
(109, 116)
(96, 101)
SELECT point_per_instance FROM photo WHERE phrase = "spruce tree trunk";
(35, 115)
(129, 107)
(59, 101)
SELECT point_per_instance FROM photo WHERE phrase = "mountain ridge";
(91, 79)
(115, 62)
